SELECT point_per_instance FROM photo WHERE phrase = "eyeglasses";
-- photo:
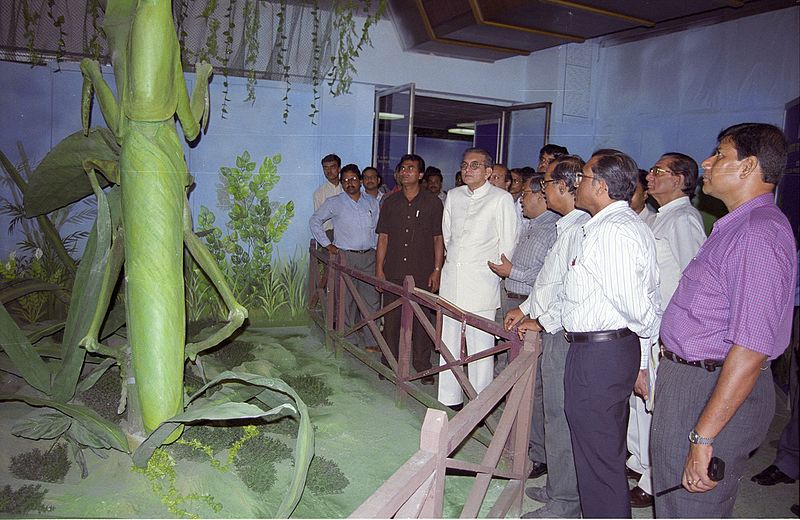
(543, 183)
(515, 181)
(474, 165)
(409, 168)
(660, 172)
(529, 191)
(580, 176)
(350, 179)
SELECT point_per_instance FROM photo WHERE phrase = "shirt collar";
(480, 192)
(744, 210)
(618, 206)
(675, 204)
(570, 218)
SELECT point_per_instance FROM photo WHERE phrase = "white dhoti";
(480, 372)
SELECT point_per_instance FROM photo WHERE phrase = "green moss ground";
(362, 431)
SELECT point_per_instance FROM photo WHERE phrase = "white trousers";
(639, 430)
(481, 372)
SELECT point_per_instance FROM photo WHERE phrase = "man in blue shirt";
(354, 216)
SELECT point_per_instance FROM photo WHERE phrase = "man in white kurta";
(478, 225)
(679, 233)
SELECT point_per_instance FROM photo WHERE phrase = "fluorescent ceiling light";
(389, 116)
(461, 131)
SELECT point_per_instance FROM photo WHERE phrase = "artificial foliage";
(103, 396)
(233, 354)
(255, 224)
(312, 389)
(325, 477)
(255, 462)
(43, 466)
(22, 500)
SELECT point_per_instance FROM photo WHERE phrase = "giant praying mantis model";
(153, 179)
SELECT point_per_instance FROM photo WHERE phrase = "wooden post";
(434, 438)
(313, 274)
(404, 344)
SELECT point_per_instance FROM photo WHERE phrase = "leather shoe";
(538, 493)
(771, 476)
(639, 498)
(538, 469)
(456, 407)
(631, 474)
(427, 380)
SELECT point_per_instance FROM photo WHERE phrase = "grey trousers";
(788, 456)
(681, 393)
(364, 262)
(562, 483)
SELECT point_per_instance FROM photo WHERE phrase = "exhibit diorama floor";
(362, 431)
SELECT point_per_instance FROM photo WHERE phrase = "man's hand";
(433, 281)
(379, 274)
(332, 249)
(695, 472)
(513, 317)
(526, 325)
(642, 385)
(502, 269)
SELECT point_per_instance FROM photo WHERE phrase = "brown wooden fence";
(417, 488)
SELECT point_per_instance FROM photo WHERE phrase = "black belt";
(362, 251)
(517, 296)
(709, 364)
(597, 337)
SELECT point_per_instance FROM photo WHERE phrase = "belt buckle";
(707, 366)
(566, 337)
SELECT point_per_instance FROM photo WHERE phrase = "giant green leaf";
(99, 428)
(60, 179)
(23, 357)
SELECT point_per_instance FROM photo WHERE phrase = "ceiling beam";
(602, 12)
(481, 19)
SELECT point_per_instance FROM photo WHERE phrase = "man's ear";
(488, 173)
(749, 165)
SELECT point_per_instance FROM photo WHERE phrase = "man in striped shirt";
(611, 312)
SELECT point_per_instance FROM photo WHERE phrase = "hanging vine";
(252, 22)
(31, 18)
(183, 12)
(93, 48)
(315, 61)
(340, 76)
(210, 50)
(226, 57)
(283, 57)
(58, 22)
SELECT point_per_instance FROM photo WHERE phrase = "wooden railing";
(417, 488)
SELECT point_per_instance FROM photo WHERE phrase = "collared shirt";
(410, 227)
(612, 283)
(545, 300)
(739, 288)
(325, 191)
(678, 228)
(532, 247)
(354, 222)
(477, 227)
(442, 195)
(648, 215)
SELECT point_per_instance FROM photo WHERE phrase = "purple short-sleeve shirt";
(738, 289)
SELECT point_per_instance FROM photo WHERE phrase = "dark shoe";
(795, 509)
(456, 407)
(428, 380)
(538, 469)
(631, 474)
(639, 498)
(771, 476)
(538, 493)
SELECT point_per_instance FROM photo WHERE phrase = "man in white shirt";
(479, 225)
(639, 198)
(679, 233)
(611, 312)
(331, 164)
(560, 495)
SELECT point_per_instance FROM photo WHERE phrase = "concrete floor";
(753, 501)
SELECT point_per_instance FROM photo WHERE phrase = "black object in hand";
(716, 472)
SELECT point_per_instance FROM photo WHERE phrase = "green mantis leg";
(198, 109)
(201, 255)
(93, 82)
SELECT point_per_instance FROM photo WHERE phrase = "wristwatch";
(695, 438)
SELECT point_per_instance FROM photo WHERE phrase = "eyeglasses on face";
(580, 176)
(543, 183)
(660, 172)
(515, 181)
(350, 179)
(409, 168)
(474, 165)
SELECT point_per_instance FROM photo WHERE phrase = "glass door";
(526, 128)
(394, 129)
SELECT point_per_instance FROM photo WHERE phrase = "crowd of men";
(656, 339)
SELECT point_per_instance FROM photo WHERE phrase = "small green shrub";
(311, 389)
(23, 500)
(255, 462)
(103, 396)
(216, 438)
(48, 466)
(325, 477)
(233, 354)
(283, 426)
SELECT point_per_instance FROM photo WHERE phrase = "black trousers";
(598, 381)
(421, 344)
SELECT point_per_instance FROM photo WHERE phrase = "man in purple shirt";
(733, 305)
